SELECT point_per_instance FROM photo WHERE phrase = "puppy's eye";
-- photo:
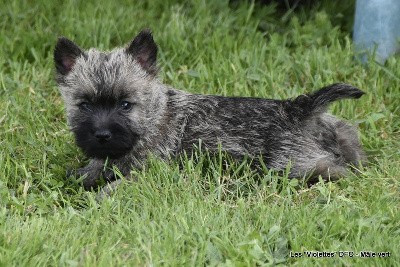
(125, 105)
(86, 106)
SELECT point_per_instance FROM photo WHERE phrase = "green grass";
(194, 216)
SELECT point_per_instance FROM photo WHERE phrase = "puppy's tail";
(317, 102)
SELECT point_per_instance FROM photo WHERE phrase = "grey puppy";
(120, 113)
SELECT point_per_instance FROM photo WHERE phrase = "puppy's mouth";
(105, 143)
(107, 150)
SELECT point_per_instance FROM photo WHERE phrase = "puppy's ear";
(65, 54)
(144, 50)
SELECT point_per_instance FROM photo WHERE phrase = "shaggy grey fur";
(120, 112)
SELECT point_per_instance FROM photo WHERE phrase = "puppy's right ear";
(65, 54)
(144, 50)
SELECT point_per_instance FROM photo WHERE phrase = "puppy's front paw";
(89, 179)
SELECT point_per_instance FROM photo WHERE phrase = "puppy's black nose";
(103, 135)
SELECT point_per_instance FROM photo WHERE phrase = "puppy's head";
(110, 97)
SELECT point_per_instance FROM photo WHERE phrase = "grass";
(193, 216)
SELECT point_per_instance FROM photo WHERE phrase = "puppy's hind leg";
(329, 169)
(349, 145)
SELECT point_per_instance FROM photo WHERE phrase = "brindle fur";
(166, 122)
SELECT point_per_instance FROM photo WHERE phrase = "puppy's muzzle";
(103, 135)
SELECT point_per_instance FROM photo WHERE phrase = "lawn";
(204, 212)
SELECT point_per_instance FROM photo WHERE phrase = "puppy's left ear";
(66, 53)
(144, 50)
